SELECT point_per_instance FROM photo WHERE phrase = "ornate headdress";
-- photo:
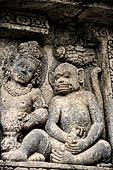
(76, 55)
(31, 51)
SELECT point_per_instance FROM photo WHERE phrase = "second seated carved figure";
(73, 132)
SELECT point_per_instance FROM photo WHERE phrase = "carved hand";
(76, 133)
(29, 121)
(76, 147)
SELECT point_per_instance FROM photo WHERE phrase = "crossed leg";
(35, 146)
(99, 152)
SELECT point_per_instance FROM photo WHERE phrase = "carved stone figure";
(74, 127)
(73, 107)
(23, 104)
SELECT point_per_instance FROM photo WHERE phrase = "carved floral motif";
(76, 55)
(22, 21)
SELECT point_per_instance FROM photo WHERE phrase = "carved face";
(65, 79)
(23, 71)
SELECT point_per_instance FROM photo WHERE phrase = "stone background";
(69, 23)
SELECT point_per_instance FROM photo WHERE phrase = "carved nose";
(61, 81)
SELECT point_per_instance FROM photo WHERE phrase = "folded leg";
(100, 152)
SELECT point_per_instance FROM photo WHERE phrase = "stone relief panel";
(72, 123)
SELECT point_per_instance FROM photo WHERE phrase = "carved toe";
(36, 157)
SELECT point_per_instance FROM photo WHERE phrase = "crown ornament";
(31, 51)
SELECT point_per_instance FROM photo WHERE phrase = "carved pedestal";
(46, 165)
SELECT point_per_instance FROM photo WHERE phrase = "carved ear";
(51, 78)
(80, 75)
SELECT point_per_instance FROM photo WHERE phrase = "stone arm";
(39, 117)
(52, 127)
(40, 114)
(97, 121)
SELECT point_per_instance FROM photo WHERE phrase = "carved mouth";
(21, 76)
(64, 88)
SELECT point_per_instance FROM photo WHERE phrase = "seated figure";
(75, 124)
(23, 105)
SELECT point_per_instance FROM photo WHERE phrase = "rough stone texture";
(45, 165)
(56, 101)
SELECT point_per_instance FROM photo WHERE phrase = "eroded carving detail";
(76, 55)
(22, 21)
(110, 55)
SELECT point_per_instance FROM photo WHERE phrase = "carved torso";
(74, 111)
(15, 106)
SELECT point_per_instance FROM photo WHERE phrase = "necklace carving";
(15, 91)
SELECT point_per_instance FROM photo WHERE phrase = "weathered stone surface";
(61, 10)
(44, 165)
(21, 21)
(56, 89)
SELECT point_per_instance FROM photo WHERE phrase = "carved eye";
(67, 74)
(57, 76)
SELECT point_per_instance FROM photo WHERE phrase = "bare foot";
(16, 155)
(61, 156)
(36, 157)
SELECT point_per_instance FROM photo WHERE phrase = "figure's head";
(66, 78)
(25, 65)
(23, 71)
